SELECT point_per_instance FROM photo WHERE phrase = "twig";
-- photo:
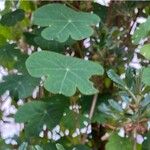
(90, 116)
(131, 94)
(93, 106)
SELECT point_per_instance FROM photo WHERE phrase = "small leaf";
(114, 77)
(104, 108)
(9, 55)
(145, 51)
(21, 86)
(37, 147)
(115, 105)
(146, 101)
(146, 76)
(142, 31)
(11, 18)
(130, 77)
(59, 147)
(64, 22)
(63, 73)
(27, 6)
(38, 113)
(116, 143)
(23, 146)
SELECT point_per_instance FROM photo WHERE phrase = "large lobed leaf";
(21, 86)
(63, 73)
(38, 113)
(62, 22)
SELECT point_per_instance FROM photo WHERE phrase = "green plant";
(100, 103)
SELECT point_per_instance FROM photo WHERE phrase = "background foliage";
(81, 71)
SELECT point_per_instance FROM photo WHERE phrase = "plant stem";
(83, 140)
(93, 106)
(131, 94)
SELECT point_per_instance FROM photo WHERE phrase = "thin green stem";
(134, 138)
(131, 94)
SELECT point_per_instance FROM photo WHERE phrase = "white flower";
(121, 132)
(139, 139)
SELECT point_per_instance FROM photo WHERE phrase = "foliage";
(64, 72)
(64, 23)
(115, 143)
(70, 63)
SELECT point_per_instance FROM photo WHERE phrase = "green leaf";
(6, 32)
(146, 143)
(11, 18)
(37, 147)
(49, 146)
(27, 6)
(38, 113)
(101, 11)
(114, 77)
(130, 77)
(81, 147)
(99, 118)
(2, 40)
(146, 76)
(145, 51)
(146, 101)
(12, 58)
(52, 45)
(9, 55)
(21, 86)
(64, 22)
(73, 120)
(23, 146)
(142, 31)
(59, 147)
(63, 73)
(116, 142)
(104, 108)
(115, 105)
